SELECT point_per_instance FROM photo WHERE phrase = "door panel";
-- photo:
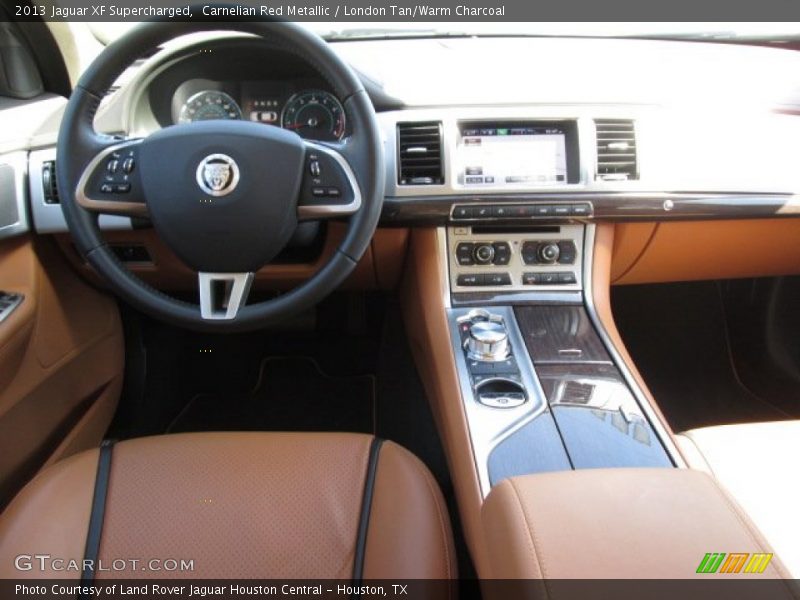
(61, 362)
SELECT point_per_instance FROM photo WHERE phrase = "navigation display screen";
(518, 155)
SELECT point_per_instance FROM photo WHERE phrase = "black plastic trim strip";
(366, 509)
(98, 513)
(606, 206)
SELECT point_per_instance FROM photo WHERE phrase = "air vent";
(49, 182)
(616, 150)
(577, 393)
(419, 147)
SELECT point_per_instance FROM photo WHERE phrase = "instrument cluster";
(311, 112)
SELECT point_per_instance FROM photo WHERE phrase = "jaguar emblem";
(217, 174)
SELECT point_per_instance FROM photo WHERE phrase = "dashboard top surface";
(710, 119)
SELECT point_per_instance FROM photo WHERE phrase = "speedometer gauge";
(209, 105)
(314, 114)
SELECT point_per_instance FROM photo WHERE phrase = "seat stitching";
(440, 517)
(531, 536)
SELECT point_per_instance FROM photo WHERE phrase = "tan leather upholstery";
(240, 505)
(757, 463)
(429, 337)
(614, 524)
(697, 250)
(61, 362)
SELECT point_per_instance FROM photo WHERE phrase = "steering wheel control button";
(328, 185)
(107, 188)
(122, 188)
(112, 166)
(128, 165)
(217, 175)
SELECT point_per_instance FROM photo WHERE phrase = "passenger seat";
(758, 463)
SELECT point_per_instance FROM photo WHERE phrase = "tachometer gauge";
(314, 114)
(209, 105)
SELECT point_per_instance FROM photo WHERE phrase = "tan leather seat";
(239, 505)
(758, 464)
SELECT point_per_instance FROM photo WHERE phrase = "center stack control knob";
(548, 252)
(484, 254)
(488, 341)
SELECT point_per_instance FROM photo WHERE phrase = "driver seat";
(249, 505)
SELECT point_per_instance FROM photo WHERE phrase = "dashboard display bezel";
(569, 127)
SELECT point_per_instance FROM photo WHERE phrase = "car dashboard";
(695, 123)
(568, 131)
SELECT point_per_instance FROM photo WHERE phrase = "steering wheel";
(225, 196)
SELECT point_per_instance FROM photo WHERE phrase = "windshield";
(370, 30)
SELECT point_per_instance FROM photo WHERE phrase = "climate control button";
(502, 253)
(464, 254)
(567, 253)
(548, 252)
(483, 254)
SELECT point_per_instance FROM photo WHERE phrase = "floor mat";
(677, 336)
(291, 394)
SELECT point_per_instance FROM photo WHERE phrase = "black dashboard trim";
(611, 206)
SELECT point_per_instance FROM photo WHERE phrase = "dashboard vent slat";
(419, 153)
(616, 150)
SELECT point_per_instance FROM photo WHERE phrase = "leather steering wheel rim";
(79, 144)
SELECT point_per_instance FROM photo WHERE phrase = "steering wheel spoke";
(330, 188)
(222, 295)
(111, 184)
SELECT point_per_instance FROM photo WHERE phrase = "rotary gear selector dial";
(487, 341)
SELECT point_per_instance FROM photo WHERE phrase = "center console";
(541, 385)
(541, 390)
(523, 375)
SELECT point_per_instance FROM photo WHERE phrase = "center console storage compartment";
(621, 524)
